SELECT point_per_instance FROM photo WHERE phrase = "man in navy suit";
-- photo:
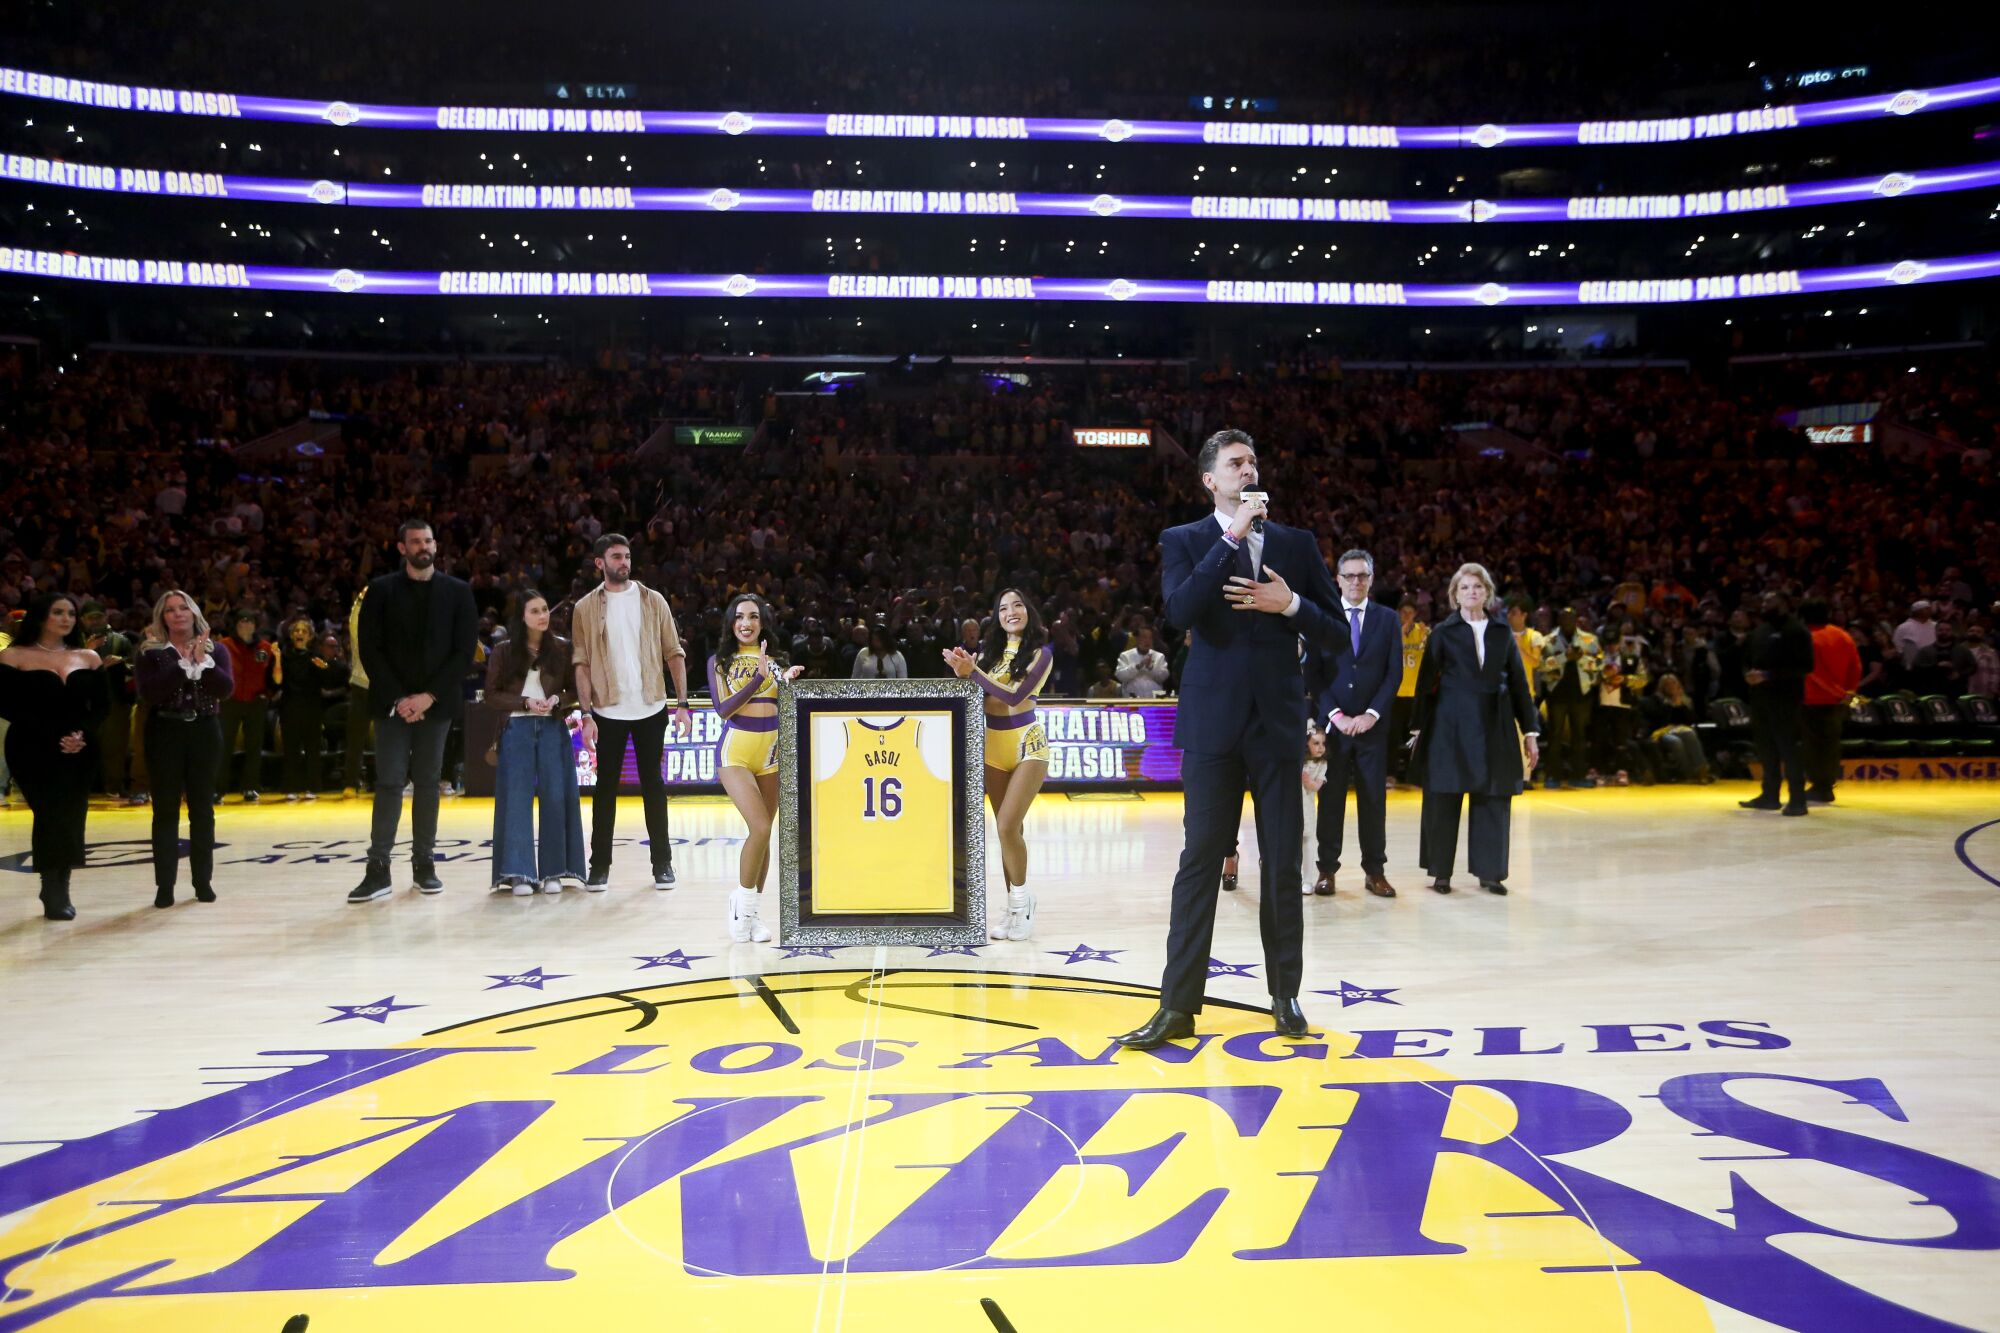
(1355, 689)
(1228, 580)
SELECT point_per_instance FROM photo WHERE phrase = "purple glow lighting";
(964, 203)
(991, 287)
(608, 120)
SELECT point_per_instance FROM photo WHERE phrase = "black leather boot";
(55, 896)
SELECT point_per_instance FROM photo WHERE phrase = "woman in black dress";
(183, 677)
(304, 676)
(52, 691)
(1474, 715)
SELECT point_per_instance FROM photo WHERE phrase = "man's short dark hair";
(609, 540)
(1214, 445)
(410, 525)
(1813, 610)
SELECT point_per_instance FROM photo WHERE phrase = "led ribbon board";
(973, 203)
(926, 287)
(619, 120)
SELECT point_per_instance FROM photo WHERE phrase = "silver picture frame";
(800, 700)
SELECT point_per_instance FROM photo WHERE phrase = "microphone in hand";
(1258, 493)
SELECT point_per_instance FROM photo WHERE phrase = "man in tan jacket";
(626, 646)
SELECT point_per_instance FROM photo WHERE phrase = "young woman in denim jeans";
(528, 682)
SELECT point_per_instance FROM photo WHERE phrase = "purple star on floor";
(378, 1012)
(673, 958)
(1083, 953)
(1218, 968)
(969, 950)
(809, 950)
(1351, 994)
(532, 979)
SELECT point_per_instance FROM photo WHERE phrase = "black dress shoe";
(1760, 803)
(1288, 1017)
(1795, 808)
(1229, 883)
(1493, 886)
(1164, 1026)
(164, 896)
(1323, 886)
(1441, 885)
(204, 894)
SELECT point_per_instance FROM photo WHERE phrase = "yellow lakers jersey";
(1414, 639)
(881, 828)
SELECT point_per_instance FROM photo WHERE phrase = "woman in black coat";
(1474, 714)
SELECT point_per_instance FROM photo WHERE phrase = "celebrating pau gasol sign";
(721, 1152)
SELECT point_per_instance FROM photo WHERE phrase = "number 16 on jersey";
(881, 798)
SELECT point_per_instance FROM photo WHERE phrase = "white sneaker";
(745, 924)
(549, 885)
(573, 883)
(524, 888)
(1020, 921)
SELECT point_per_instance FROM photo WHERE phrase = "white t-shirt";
(531, 688)
(624, 621)
(1913, 636)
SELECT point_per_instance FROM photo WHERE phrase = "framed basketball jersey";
(881, 813)
(881, 820)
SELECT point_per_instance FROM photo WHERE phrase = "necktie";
(1244, 567)
(1354, 627)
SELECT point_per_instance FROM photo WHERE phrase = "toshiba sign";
(1124, 437)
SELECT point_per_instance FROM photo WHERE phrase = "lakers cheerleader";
(1012, 667)
(744, 685)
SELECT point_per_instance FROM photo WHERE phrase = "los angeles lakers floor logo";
(882, 1150)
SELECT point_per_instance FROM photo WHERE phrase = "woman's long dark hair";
(993, 646)
(38, 615)
(727, 647)
(514, 661)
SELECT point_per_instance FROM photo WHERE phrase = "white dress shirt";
(1143, 675)
(1253, 541)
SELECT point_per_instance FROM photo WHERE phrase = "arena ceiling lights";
(605, 120)
(969, 203)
